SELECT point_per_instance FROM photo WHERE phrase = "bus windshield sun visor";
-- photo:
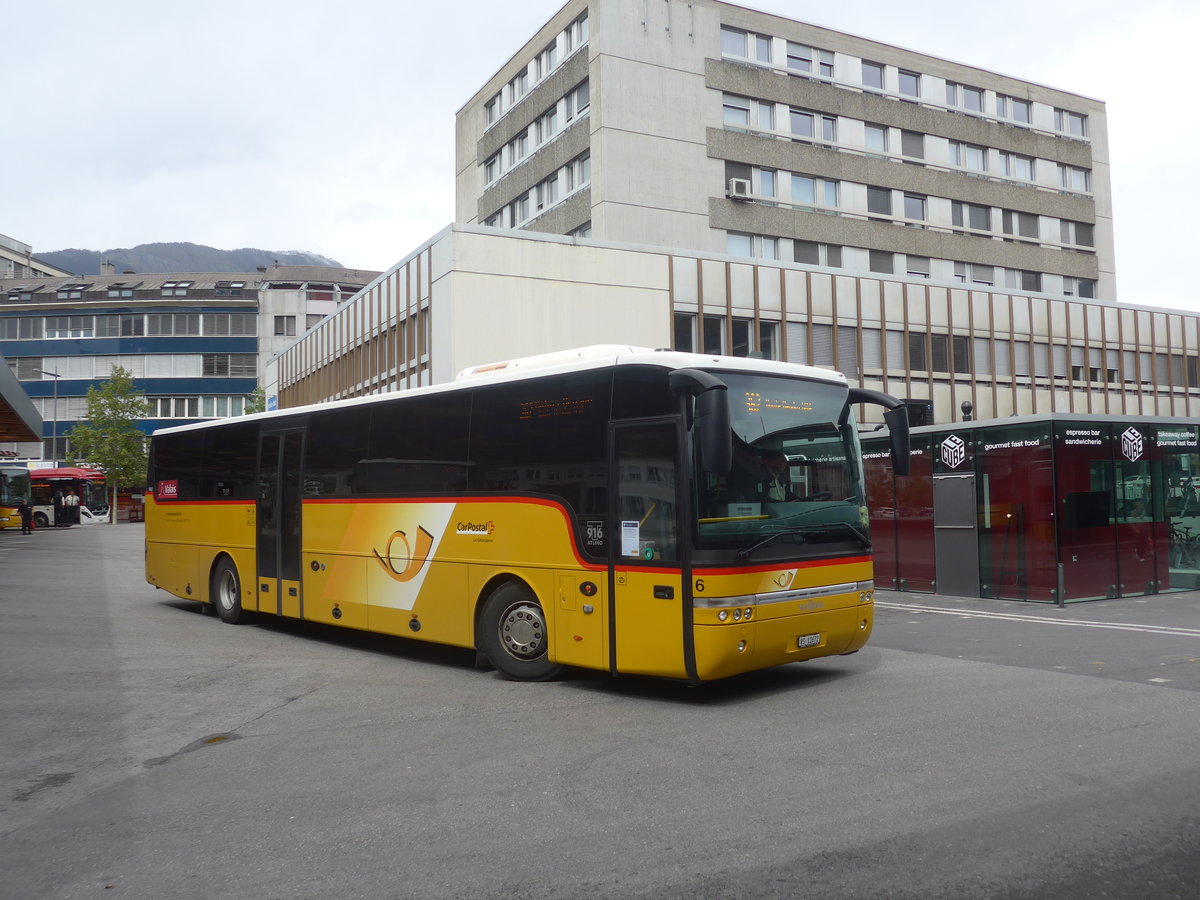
(712, 424)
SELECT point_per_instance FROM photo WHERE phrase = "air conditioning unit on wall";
(738, 189)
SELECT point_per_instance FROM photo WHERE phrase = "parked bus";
(14, 487)
(88, 485)
(618, 509)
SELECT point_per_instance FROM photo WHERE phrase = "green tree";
(110, 439)
(257, 401)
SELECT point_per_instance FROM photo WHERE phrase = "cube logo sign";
(954, 451)
(1132, 444)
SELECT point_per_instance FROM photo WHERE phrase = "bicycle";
(1185, 548)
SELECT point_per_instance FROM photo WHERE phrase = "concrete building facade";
(708, 125)
(475, 295)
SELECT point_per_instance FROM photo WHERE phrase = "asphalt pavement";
(974, 749)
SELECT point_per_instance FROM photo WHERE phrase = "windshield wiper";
(799, 531)
(767, 539)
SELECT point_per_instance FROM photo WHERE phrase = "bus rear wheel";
(513, 634)
(227, 593)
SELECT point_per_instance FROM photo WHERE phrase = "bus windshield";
(796, 483)
(14, 486)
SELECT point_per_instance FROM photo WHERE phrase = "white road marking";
(1046, 620)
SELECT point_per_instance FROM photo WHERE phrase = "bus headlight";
(723, 616)
(737, 615)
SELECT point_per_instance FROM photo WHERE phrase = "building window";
(756, 246)
(577, 102)
(1020, 223)
(872, 75)
(804, 124)
(285, 326)
(736, 110)
(69, 326)
(910, 84)
(882, 261)
(714, 335)
(175, 288)
(814, 254)
(231, 324)
(974, 273)
(914, 207)
(1017, 166)
(968, 156)
(230, 365)
(1079, 234)
(809, 59)
(964, 97)
(1072, 123)
(1014, 109)
(1074, 179)
(971, 215)
(917, 358)
(1079, 287)
(737, 43)
(119, 290)
(1021, 280)
(229, 288)
(876, 139)
(912, 144)
(917, 266)
(879, 200)
(71, 291)
(685, 332)
(807, 189)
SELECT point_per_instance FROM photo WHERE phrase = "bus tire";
(41, 520)
(227, 593)
(514, 636)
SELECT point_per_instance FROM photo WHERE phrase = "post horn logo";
(399, 559)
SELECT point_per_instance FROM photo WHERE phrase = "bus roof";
(562, 362)
(74, 473)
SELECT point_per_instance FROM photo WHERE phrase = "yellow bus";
(612, 508)
(14, 488)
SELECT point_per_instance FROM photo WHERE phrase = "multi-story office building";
(17, 261)
(475, 295)
(710, 126)
(195, 343)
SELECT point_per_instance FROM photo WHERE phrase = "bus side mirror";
(896, 419)
(711, 426)
(713, 431)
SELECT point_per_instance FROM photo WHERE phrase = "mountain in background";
(169, 259)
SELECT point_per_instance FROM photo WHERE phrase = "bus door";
(278, 523)
(647, 598)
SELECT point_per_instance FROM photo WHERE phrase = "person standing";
(71, 508)
(25, 511)
(59, 515)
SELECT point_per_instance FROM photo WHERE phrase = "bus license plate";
(808, 640)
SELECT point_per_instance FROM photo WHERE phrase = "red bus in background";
(88, 484)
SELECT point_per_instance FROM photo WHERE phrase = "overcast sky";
(329, 127)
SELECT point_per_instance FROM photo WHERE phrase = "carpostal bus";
(14, 489)
(612, 508)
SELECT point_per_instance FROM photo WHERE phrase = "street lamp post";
(54, 421)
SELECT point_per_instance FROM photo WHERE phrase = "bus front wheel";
(513, 634)
(227, 593)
